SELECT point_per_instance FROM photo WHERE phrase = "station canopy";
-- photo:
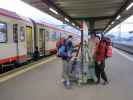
(100, 15)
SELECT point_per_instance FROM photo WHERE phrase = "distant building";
(131, 32)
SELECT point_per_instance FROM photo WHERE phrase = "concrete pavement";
(43, 83)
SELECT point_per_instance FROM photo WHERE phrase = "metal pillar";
(91, 25)
(82, 40)
(82, 54)
(102, 35)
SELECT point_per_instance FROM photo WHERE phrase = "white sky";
(124, 28)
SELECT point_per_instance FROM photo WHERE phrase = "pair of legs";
(65, 70)
(100, 72)
(65, 74)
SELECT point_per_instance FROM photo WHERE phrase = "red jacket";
(100, 53)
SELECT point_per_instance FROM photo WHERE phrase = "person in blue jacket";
(67, 50)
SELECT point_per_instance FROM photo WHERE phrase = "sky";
(26, 10)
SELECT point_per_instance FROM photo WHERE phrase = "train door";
(42, 41)
(29, 41)
(15, 40)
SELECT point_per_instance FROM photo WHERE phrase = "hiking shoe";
(105, 83)
(97, 82)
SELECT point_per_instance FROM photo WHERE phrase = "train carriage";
(20, 35)
(46, 37)
(13, 45)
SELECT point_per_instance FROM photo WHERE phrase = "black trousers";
(100, 72)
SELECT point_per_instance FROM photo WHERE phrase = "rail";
(125, 47)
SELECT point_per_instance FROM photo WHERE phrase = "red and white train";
(20, 35)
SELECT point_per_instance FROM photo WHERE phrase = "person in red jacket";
(100, 57)
(60, 42)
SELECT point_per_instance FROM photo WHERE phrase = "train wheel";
(17, 64)
(1, 69)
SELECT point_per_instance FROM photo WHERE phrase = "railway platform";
(42, 81)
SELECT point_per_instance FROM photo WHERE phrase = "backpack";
(109, 51)
(60, 42)
(64, 50)
(108, 48)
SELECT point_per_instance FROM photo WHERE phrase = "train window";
(22, 33)
(3, 32)
(15, 32)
